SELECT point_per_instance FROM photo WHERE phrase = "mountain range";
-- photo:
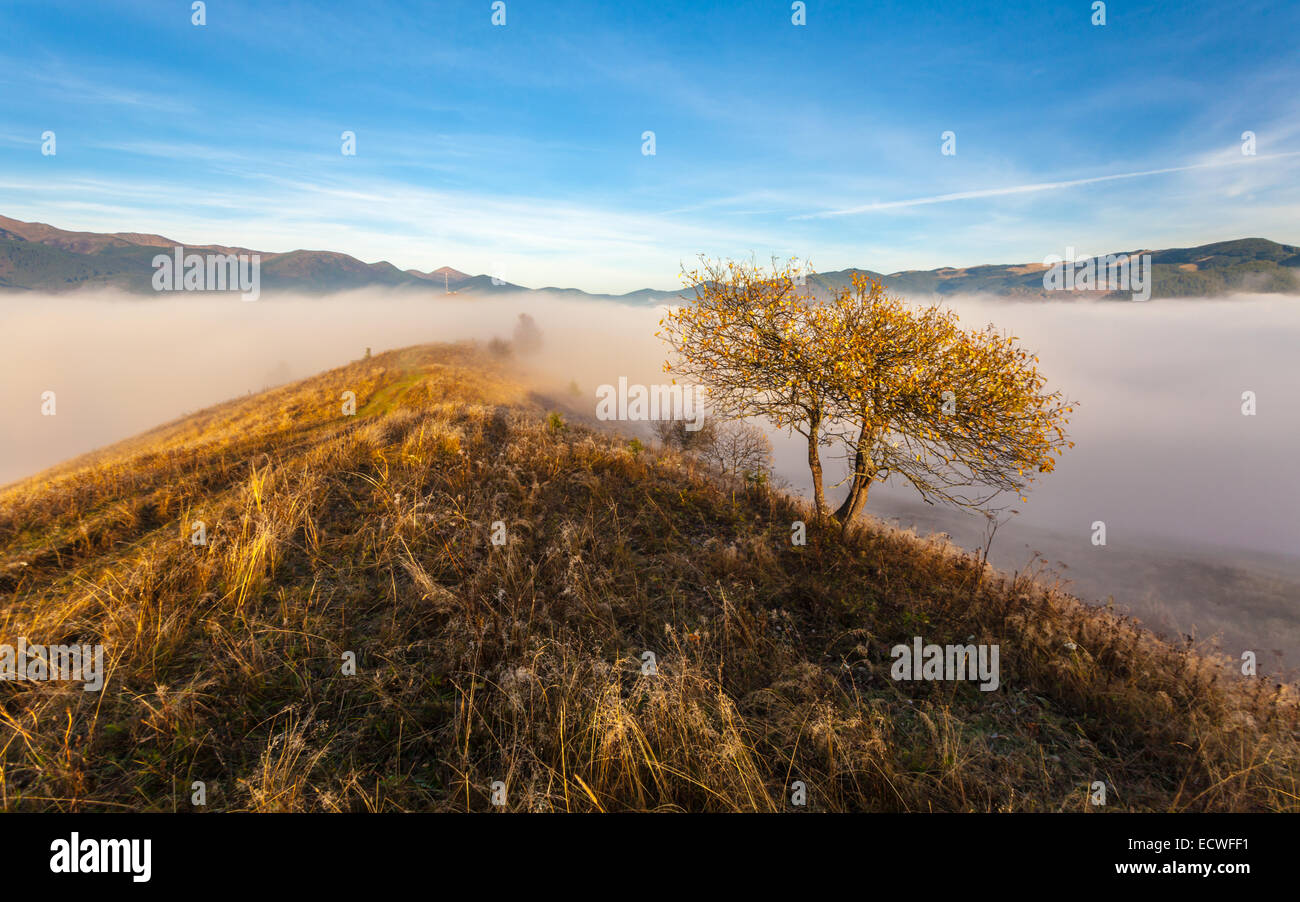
(39, 257)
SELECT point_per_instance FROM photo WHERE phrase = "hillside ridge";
(331, 537)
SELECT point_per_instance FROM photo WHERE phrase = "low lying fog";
(1199, 501)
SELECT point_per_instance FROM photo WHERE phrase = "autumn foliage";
(895, 389)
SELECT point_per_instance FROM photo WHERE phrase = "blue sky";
(518, 149)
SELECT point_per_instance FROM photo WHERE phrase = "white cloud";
(1044, 186)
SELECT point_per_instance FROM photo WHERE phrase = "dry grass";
(522, 663)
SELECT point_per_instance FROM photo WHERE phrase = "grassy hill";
(522, 663)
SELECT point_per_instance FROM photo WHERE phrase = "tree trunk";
(859, 486)
(815, 465)
(864, 472)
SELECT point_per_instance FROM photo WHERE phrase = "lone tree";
(960, 414)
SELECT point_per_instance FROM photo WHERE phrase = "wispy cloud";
(1041, 186)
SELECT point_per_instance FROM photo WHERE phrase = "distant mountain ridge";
(40, 257)
(1210, 270)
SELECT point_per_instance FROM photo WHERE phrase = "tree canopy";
(963, 415)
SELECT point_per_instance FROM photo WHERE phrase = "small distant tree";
(674, 434)
(527, 337)
(960, 414)
(740, 450)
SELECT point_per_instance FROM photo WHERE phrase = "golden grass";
(522, 663)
